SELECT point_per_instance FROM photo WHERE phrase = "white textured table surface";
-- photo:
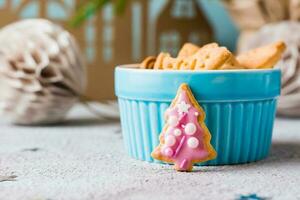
(84, 159)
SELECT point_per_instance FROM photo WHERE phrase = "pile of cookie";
(214, 57)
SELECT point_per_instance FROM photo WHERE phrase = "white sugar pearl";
(177, 132)
(173, 121)
(170, 140)
(193, 142)
(190, 129)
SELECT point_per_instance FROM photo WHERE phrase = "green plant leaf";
(87, 10)
(120, 6)
(90, 8)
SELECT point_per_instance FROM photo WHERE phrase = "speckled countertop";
(83, 158)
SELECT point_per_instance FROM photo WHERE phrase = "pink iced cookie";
(185, 139)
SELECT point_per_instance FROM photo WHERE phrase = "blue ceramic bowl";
(240, 109)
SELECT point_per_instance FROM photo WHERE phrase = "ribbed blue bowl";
(240, 108)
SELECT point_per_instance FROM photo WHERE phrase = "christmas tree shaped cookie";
(185, 139)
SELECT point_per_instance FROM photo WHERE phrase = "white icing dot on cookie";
(196, 113)
(193, 142)
(183, 107)
(190, 129)
(170, 140)
(173, 121)
(168, 152)
(177, 132)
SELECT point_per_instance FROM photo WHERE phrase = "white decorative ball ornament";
(170, 140)
(42, 73)
(193, 142)
(177, 132)
(173, 121)
(190, 129)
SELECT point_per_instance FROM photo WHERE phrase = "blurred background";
(139, 29)
(110, 33)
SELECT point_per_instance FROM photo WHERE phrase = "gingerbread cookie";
(188, 49)
(210, 57)
(148, 63)
(165, 61)
(262, 57)
(185, 139)
(159, 60)
(187, 64)
(214, 57)
(171, 63)
(231, 63)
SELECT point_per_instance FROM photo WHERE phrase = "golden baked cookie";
(188, 49)
(214, 57)
(231, 63)
(159, 60)
(262, 57)
(210, 57)
(148, 63)
(171, 63)
(165, 61)
(187, 64)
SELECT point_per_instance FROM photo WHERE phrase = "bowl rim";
(207, 86)
(134, 67)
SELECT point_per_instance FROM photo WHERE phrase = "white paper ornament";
(289, 32)
(41, 72)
